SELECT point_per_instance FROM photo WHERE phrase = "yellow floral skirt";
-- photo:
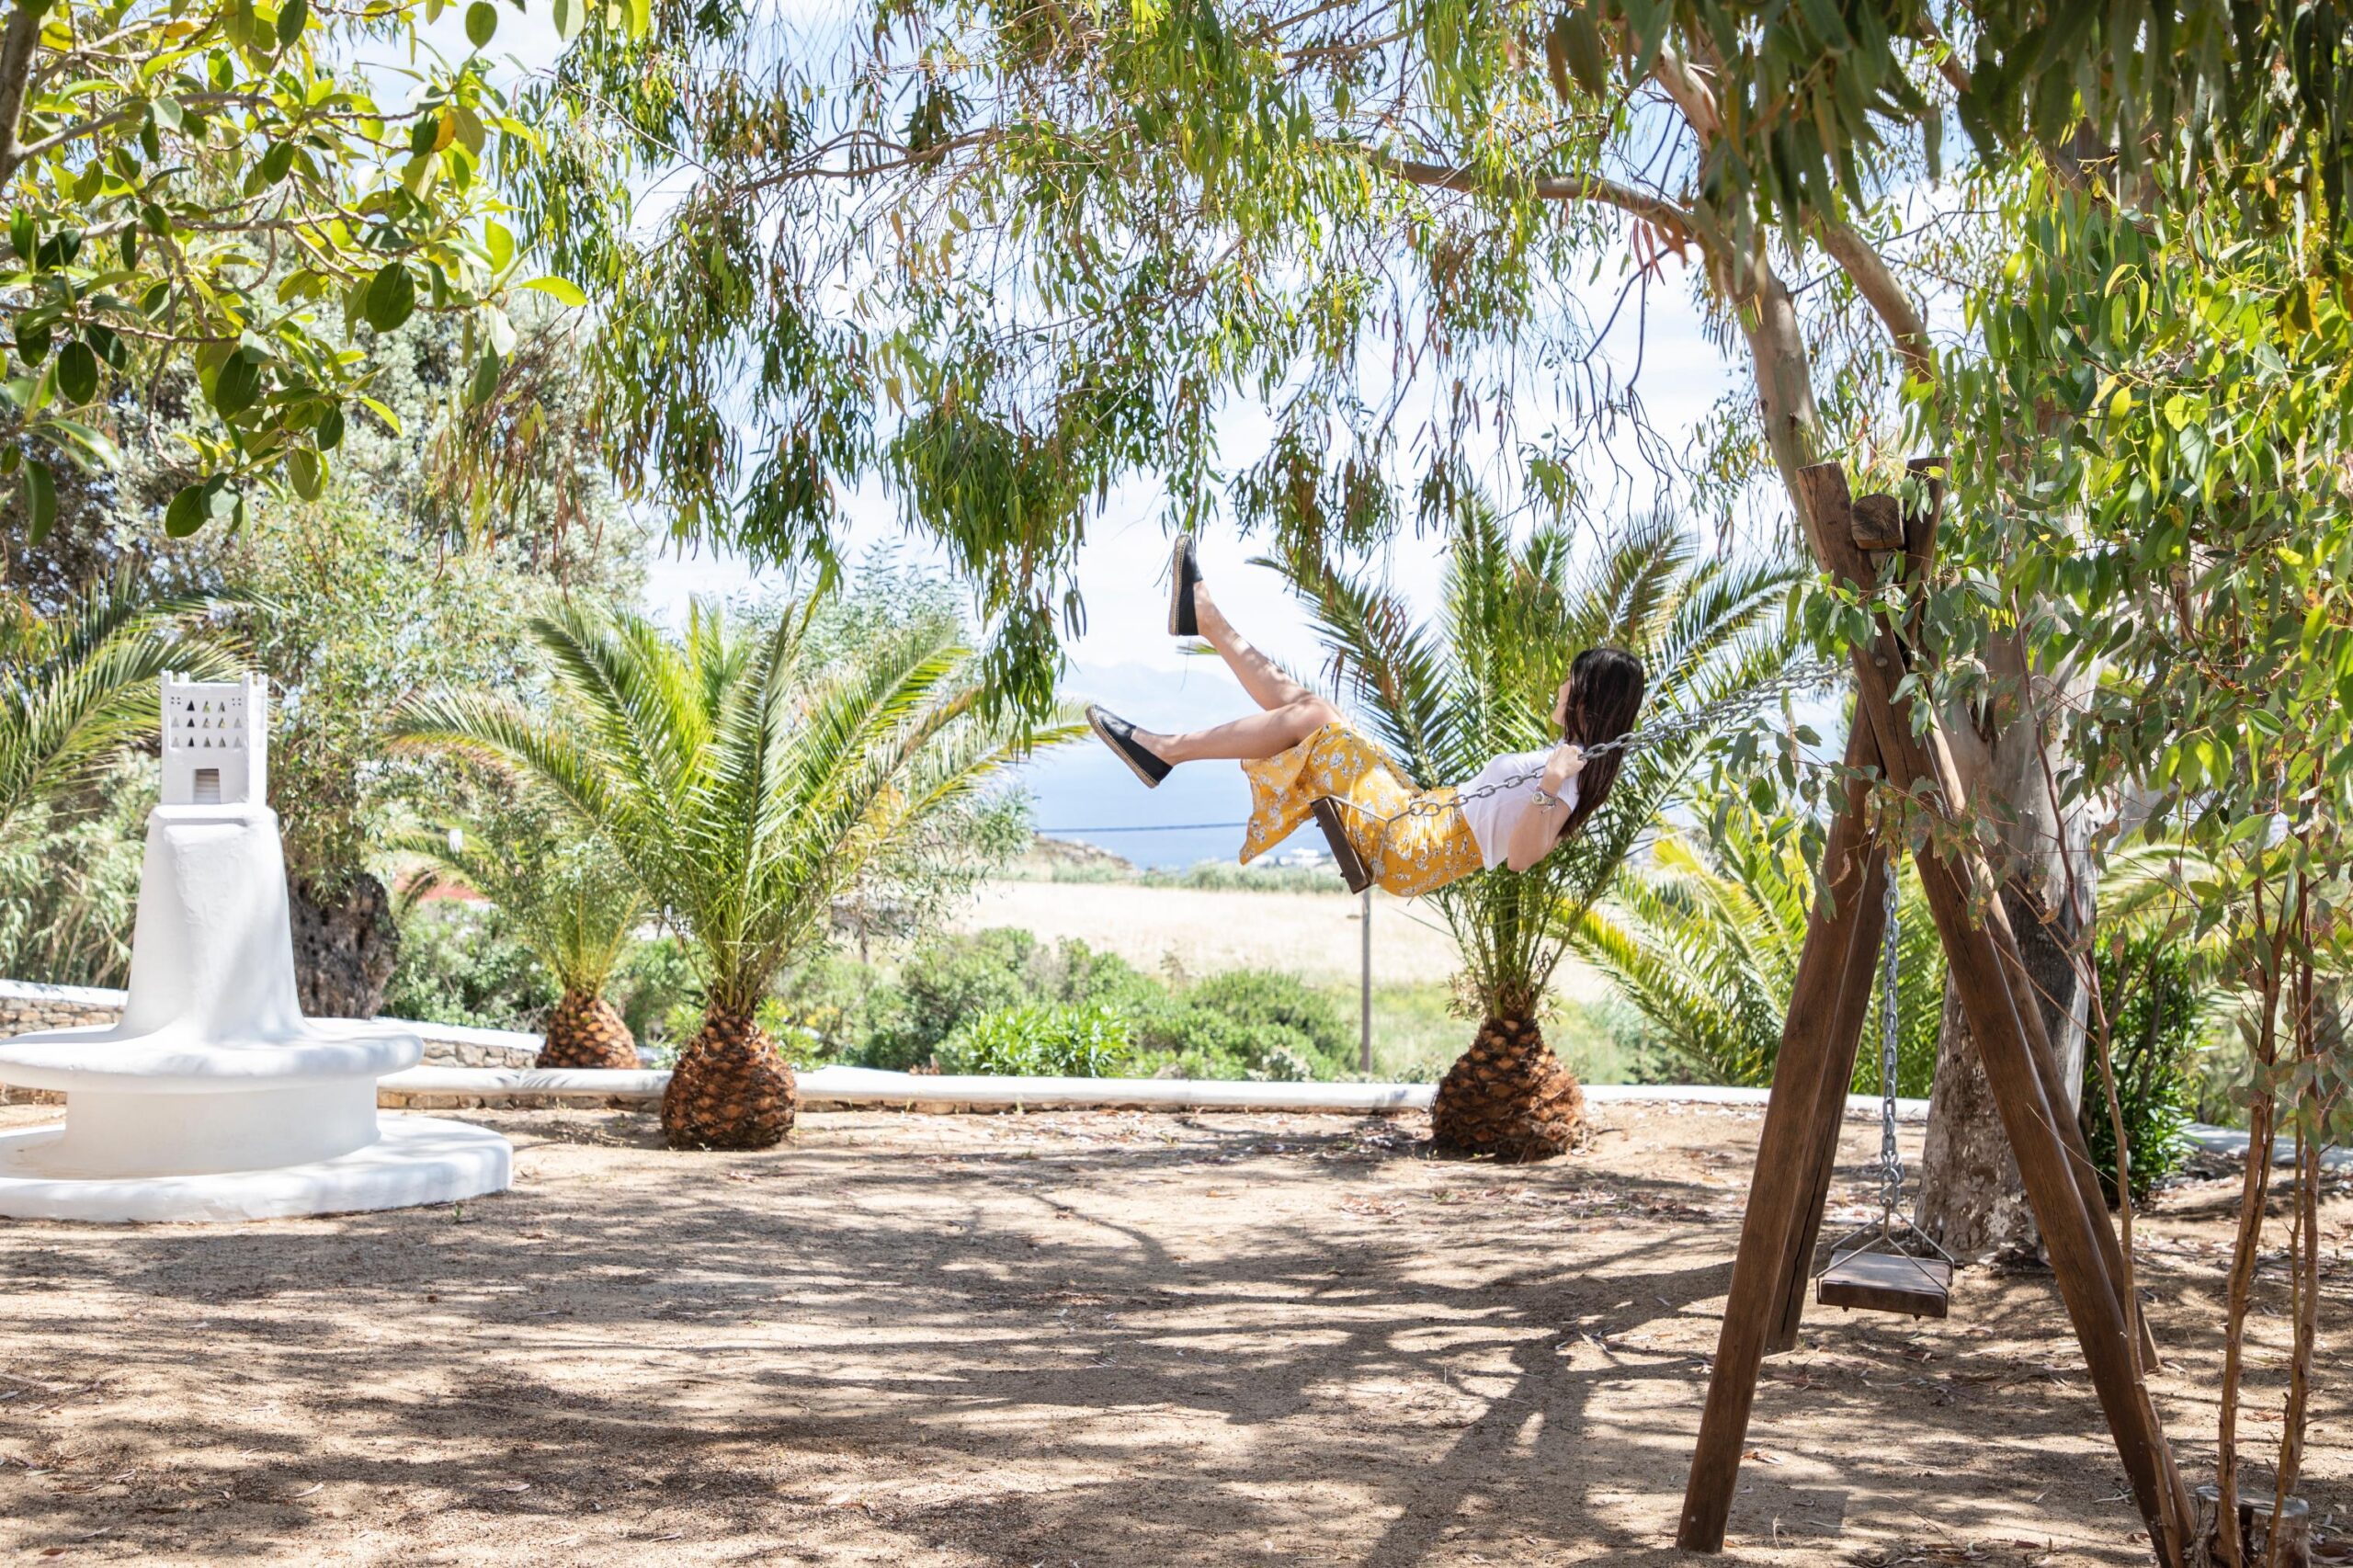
(1407, 851)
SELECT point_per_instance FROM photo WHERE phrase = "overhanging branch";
(1655, 210)
(17, 45)
(1879, 288)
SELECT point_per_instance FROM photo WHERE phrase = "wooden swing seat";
(1886, 1282)
(1343, 850)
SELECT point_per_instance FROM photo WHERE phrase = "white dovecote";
(212, 1096)
(216, 742)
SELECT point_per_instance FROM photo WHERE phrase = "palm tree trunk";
(732, 1089)
(1509, 1096)
(585, 1032)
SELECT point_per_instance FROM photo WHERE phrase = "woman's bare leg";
(1247, 740)
(1260, 676)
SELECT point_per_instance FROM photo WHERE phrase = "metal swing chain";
(1797, 678)
(1891, 1163)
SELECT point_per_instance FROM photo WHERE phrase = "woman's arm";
(1539, 827)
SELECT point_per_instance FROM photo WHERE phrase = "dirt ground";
(1062, 1339)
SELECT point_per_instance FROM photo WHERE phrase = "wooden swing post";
(1791, 1182)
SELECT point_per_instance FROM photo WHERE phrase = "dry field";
(1314, 934)
(1068, 1339)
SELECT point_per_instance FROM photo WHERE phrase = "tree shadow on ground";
(991, 1340)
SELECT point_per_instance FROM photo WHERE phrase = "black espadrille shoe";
(1121, 736)
(1184, 570)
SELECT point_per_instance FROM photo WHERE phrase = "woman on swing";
(1301, 753)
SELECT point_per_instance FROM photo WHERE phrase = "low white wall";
(443, 1088)
(26, 1006)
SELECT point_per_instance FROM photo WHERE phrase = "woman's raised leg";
(1248, 739)
(1264, 679)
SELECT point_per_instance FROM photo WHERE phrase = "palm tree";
(570, 900)
(748, 778)
(78, 686)
(1448, 696)
(1703, 944)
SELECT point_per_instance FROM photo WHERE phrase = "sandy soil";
(1203, 932)
(1050, 1340)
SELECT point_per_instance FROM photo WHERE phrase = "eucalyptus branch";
(1682, 82)
(1862, 263)
(1655, 210)
(17, 45)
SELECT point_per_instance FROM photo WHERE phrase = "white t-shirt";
(1515, 777)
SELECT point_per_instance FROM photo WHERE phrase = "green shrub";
(1034, 1040)
(974, 999)
(460, 964)
(655, 978)
(951, 980)
(69, 880)
(1265, 996)
(2153, 1035)
(943, 984)
(1188, 1041)
(829, 1000)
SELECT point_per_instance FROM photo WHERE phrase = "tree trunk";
(1509, 1096)
(1972, 1199)
(732, 1089)
(344, 947)
(585, 1032)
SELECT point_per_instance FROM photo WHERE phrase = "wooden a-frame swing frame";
(1831, 999)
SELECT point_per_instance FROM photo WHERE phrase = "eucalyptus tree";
(748, 776)
(1446, 696)
(1013, 254)
(2154, 451)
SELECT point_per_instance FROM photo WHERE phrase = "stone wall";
(26, 1006)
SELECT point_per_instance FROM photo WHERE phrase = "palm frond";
(747, 789)
(84, 685)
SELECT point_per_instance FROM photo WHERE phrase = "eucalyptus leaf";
(41, 499)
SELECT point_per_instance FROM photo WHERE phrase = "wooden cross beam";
(1833, 987)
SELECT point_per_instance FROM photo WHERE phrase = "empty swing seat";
(1886, 1282)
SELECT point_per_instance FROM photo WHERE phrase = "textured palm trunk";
(585, 1032)
(732, 1089)
(1509, 1096)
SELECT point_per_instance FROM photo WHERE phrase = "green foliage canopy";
(215, 187)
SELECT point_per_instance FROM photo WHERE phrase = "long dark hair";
(1605, 698)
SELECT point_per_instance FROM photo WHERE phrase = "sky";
(1125, 659)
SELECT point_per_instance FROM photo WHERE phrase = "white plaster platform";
(413, 1159)
(212, 1096)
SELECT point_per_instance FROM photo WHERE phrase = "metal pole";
(1364, 993)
